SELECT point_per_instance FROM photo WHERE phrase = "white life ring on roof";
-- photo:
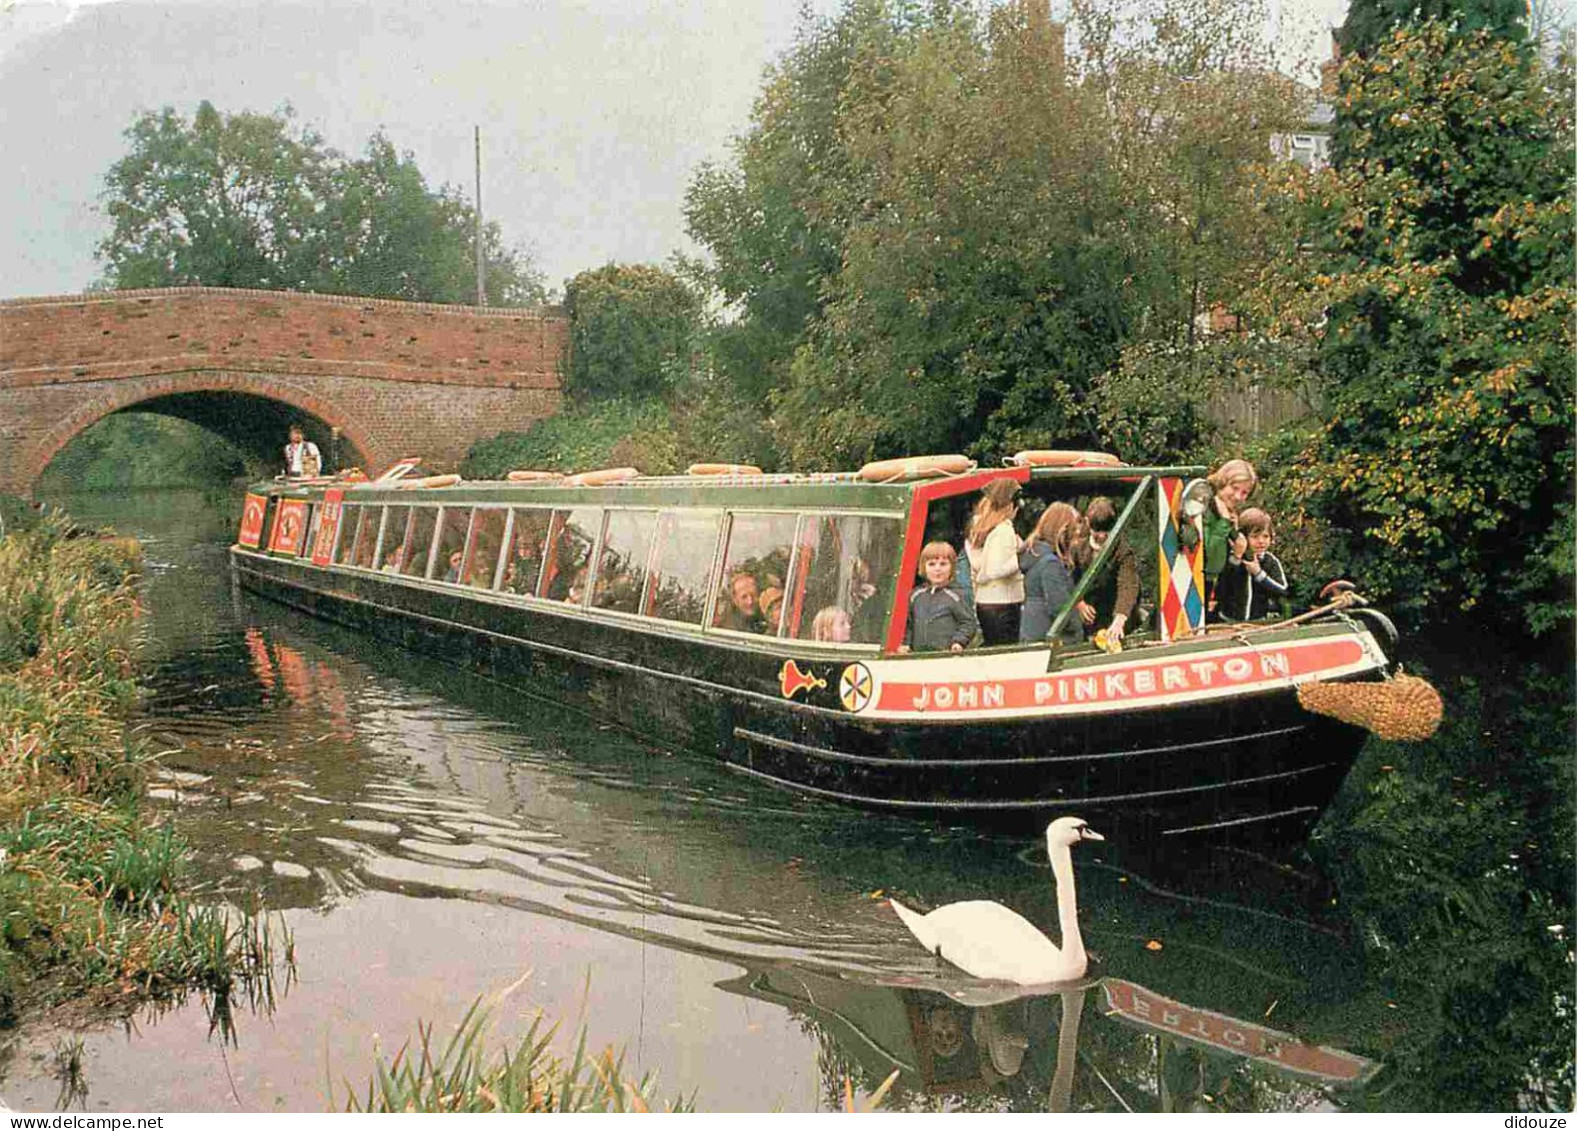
(601, 478)
(533, 476)
(1052, 458)
(915, 467)
(723, 469)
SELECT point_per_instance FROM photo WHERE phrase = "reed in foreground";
(459, 1076)
(92, 897)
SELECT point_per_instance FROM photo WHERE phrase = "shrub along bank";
(90, 887)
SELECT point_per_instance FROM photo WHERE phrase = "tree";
(632, 328)
(257, 201)
(1010, 222)
(1431, 274)
(1369, 23)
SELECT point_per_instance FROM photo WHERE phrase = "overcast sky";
(594, 113)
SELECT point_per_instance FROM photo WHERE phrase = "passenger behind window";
(832, 625)
(1047, 563)
(1115, 594)
(743, 613)
(452, 574)
(395, 561)
(939, 617)
(771, 607)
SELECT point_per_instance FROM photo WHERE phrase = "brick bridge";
(393, 378)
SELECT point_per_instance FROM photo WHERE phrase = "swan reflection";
(1104, 1044)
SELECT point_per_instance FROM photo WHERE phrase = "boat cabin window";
(843, 579)
(686, 545)
(750, 598)
(364, 548)
(482, 550)
(621, 567)
(453, 525)
(419, 541)
(523, 566)
(1127, 579)
(315, 517)
(345, 547)
(567, 556)
(391, 542)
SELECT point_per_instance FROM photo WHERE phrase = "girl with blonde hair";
(992, 547)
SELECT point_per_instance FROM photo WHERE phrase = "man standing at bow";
(302, 459)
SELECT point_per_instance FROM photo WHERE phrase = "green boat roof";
(843, 490)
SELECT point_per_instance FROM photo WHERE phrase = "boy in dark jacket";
(1253, 584)
(939, 617)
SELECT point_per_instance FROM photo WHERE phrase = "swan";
(990, 941)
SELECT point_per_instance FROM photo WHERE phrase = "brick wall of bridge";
(397, 378)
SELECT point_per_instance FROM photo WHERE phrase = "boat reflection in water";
(988, 1047)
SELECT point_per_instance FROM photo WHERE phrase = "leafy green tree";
(1432, 274)
(632, 329)
(768, 219)
(1370, 23)
(258, 201)
(1011, 221)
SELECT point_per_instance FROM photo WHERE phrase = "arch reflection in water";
(983, 1046)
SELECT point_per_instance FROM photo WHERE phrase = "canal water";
(431, 837)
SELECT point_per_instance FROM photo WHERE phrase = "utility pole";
(481, 283)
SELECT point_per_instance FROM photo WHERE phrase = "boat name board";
(888, 689)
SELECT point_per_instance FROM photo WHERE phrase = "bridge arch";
(201, 398)
(396, 378)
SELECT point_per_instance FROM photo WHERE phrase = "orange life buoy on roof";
(429, 481)
(915, 467)
(1043, 458)
(533, 476)
(723, 469)
(601, 478)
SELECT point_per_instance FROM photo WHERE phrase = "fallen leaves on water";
(1153, 944)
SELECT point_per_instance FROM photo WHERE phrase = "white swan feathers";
(990, 941)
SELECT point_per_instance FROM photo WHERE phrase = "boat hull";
(1245, 762)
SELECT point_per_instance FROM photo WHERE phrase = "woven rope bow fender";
(1404, 709)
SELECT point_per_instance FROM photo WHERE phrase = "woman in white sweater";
(992, 547)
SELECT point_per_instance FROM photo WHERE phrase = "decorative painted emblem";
(252, 521)
(1182, 568)
(328, 526)
(795, 681)
(290, 525)
(855, 687)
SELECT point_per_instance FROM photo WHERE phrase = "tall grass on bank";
(458, 1076)
(91, 897)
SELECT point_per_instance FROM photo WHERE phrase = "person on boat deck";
(939, 617)
(743, 613)
(302, 458)
(1115, 594)
(993, 548)
(1230, 486)
(1254, 584)
(1047, 563)
(832, 625)
(452, 574)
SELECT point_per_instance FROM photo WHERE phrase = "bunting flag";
(1182, 569)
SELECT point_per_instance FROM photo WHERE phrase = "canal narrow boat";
(760, 618)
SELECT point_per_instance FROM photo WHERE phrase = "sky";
(594, 113)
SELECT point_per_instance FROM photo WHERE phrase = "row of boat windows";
(800, 576)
